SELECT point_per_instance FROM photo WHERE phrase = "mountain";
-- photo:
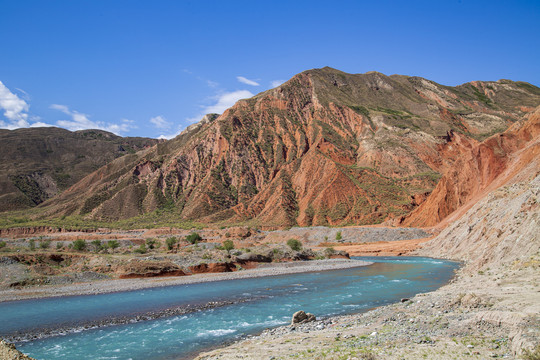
(478, 168)
(326, 147)
(38, 163)
(497, 227)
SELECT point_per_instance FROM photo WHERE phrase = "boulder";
(301, 317)
(252, 257)
(238, 232)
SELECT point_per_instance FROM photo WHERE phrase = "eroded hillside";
(326, 147)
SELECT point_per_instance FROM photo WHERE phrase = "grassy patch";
(528, 87)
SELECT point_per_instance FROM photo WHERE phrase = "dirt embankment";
(19, 232)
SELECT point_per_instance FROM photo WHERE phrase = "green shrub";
(150, 243)
(338, 235)
(97, 245)
(193, 238)
(3, 244)
(112, 244)
(294, 244)
(59, 245)
(79, 245)
(228, 245)
(32, 244)
(170, 242)
(141, 249)
(45, 244)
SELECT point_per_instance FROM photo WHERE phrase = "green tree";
(79, 245)
(228, 245)
(170, 242)
(338, 235)
(193, 238)
(294, 244)
(150, 243)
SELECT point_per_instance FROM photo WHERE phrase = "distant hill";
(38, 163)
(326, 147)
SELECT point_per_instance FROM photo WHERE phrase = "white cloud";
(40, 124)
(15, 109)
(276, 83)
(246, 81)
(226, 100)
(169, 136)
(80, 121)
(160, 122)
(223, 102)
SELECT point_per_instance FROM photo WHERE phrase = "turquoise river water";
(252, 305)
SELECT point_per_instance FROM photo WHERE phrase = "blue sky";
(151, 68)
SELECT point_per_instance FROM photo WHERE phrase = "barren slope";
(479, 168)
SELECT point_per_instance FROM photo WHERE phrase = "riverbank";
(116, 285)
(490, 315)
(490, 310)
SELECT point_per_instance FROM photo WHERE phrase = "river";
(217, 312)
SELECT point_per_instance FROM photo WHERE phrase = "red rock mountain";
(326, 147)
(478, 169)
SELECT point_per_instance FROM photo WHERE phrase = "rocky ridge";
(326, 147)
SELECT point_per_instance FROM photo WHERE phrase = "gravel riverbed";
(108, 286)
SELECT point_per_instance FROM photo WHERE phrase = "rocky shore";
(9, 352)
(108, 286)
(476, 317)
